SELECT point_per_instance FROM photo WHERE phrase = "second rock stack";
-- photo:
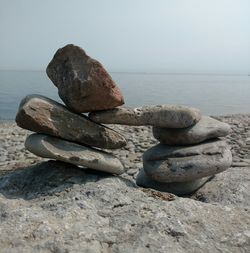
(186, 158)
(190, 151)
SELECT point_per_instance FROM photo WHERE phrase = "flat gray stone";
(185, 163)
(171, 116)
(58, 149)
(83, 83)
(206, 128)
(43, 115)
(178, 188)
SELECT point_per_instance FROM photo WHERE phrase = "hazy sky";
(198, 36)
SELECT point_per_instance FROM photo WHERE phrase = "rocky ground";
(48, 206)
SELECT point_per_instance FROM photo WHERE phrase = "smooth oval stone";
(206, 128)
(178, 188)
(43, 115)
(83, 83)
(171, 116)
(165, 163)
(54, 148)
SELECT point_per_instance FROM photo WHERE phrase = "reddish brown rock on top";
(83, 83)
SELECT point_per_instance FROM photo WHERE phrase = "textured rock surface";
(54, 207)
(206, 128)
(83, 83)
(172, 116)
(43, 115)
(178, 188)
(63, 209)
(58, 149)
(184, 163)
(229, 188)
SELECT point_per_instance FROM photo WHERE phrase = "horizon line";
(143, 72)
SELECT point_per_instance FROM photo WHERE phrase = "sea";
(212, 94)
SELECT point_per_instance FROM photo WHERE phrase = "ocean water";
(213, 94)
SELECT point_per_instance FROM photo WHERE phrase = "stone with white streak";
(171, 116)
(54, 148)
(83, 83)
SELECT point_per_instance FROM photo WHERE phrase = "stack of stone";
(190, 151)
(186, 158)
(62, 132)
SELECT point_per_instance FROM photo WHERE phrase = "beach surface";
(47, 206)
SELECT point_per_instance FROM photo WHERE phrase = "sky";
(170, 36)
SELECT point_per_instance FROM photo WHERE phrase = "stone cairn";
(190, 150)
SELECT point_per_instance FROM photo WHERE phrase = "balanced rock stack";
(189, 153)
(62, 132)
(187, 157)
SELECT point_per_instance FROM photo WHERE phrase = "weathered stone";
(206, 128)
(54, 148)
(230, 188)
(83, 83)
(43, 115)
(55, 207)
(172, 116)
(185, 163)
(178, 188)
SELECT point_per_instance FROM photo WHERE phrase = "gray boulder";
(83, 83)
(171, 116)
(165, 163)
(178, 188)
(206, 128)
(58, 149)
(43, 115)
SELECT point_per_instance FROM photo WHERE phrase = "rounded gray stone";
(54, 148)
(178, 188)
(206, 128)
(165, 163)
(171, 116)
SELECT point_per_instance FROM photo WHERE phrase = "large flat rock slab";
(171, 116)
(165, 163)
(54, 148)
(43, 115)
(83, 83)
(55, 207)
(230, 188)
(207, 128)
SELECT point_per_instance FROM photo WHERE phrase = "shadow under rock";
(45, 179)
